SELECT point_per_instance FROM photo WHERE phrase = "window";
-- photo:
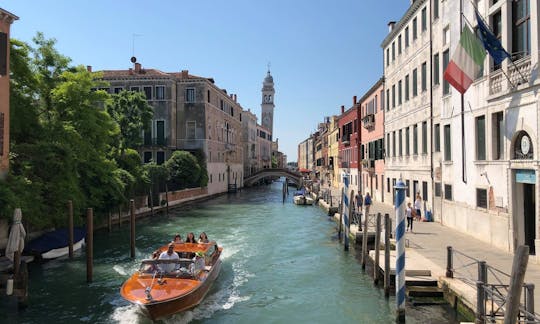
(437, 137)
(387, 56)
(424, 76)
(208, 95)
(393, 51)
(190, 95)
(160, 92)
(407, 87)
(414, 82)
(135, 89)
(435, 9)
(393, 96)
(448, 192)
(497, 31)
(148, 92)
(424, 190)
(414, 29)
(481, 198)
(221, 105)
(415, 139)
(480, 137)
(394, 143)
(387, 99)
(437, 189)
(436, 69)
(160, 157)
(406, 36)
(147, 157)
(407, 141)
(424, 137)
(399, 92)
(387, 184)
(415, 187)
(118, 89)
(160, 130)
(400, 142)
(399, 44)
(408, 190)
(446, 35)
(521, 29)
(446, 60)
(388, 144)
(3, 57)
(191, 130)
(447, 144)
(497, 135)
(147, 136)
(424, 19)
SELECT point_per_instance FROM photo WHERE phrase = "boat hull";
(56, 253)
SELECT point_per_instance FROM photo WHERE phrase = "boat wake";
(129, 314)
(120, 270)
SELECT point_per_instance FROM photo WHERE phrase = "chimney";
(354, 100)
(235, 97)
(391, 26)
(130, 71)
(89, 68)
(184, 74)
(137, 67)
(342, 109)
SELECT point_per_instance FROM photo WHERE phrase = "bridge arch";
(276, 172)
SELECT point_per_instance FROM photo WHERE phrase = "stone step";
(423, 291)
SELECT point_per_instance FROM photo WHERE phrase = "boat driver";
(168, 255)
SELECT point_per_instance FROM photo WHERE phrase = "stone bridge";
(293, 176)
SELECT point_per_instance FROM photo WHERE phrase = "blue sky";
(321, 53)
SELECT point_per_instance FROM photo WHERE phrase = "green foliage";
(201, 160)
(184, 171)
(274, 162)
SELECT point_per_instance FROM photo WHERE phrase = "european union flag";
(490, 41)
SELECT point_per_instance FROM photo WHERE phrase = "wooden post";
(480, 302)
(16, 263)
(387, 231)
(482, 271)
(364, 240)
(449, 266)
(151, 202)
(377, 248)
(89, 244)
(132, 211)
(529, 301)
(519, 267)
(283, 191)
(348, 221)
(341, 214)
(22, 285)
(70, 228)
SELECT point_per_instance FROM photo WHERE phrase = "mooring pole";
(132, 211)
(377, 248)
(70, 228)
(347, 221)
(365, 238)
(400, 249)
(519, 267)
(89, 244)
(341, 213)
(449, 263)
(387, 230)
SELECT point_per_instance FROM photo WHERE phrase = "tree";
(132, 113)
(184, 171)
(201, 160)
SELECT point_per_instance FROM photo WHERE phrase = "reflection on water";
(281, 263)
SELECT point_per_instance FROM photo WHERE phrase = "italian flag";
(466, 61)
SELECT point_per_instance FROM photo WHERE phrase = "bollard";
(400, 251)
(132, 211)
(89, 244)
(387, 230)
(70, 229)
(480, 303)
(449, 266)
(377, 247)
(529, 301)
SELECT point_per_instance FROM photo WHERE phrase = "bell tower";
(267, 104)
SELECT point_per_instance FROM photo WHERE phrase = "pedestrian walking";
(409, 212)
(418, 206)
(359, 201)
(367, 203)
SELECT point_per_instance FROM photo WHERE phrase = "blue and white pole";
(400, 249)
(345, 211)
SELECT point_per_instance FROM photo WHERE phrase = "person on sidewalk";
(410, 217)
(359, 201)
(367, 203)
(418, 206)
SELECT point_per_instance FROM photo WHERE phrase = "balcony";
(369, 121)
(518, 73)
(346, 140)
(368, 165)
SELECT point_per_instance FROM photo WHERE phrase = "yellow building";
(333, 151)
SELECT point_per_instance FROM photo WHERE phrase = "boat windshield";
(180, 267)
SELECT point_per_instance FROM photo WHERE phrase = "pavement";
(429, 240)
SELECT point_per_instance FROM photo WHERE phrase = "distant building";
(6, 19)
(333, 151)
(251, 143)
(349, 145)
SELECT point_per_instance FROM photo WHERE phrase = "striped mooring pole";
(400, 249)
(345, 212)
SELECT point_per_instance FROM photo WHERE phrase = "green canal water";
(281, 264)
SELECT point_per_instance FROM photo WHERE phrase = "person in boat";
(177, 238)
(198, 263)
(203, 238)
(168, 255)
(191, 238)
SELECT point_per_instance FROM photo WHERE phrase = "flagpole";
(463, 151)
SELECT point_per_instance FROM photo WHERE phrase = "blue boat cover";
(54, 240)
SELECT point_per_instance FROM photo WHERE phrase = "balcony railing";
(519, 73)
(369, 121)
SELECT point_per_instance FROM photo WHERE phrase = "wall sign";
(526, 176)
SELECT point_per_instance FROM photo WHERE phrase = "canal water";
(281, 264)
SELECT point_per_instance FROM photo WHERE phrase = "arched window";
(523, 147)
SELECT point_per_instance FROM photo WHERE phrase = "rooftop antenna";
(268, 66)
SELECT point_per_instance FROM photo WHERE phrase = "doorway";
(529, 215)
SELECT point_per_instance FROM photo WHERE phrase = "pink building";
(371, 168)
(6, 19)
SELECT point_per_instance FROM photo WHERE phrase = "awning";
(304, 170)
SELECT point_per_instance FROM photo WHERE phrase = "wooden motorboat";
(165, 287)
(299, 200)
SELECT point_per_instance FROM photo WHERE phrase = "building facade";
(333, 151)
(6, 19)
(250, 142)
(349, 143)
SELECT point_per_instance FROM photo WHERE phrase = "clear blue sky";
(321, 52)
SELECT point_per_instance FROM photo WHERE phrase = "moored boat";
(162, 287)
(299, 199)
(55, 244)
